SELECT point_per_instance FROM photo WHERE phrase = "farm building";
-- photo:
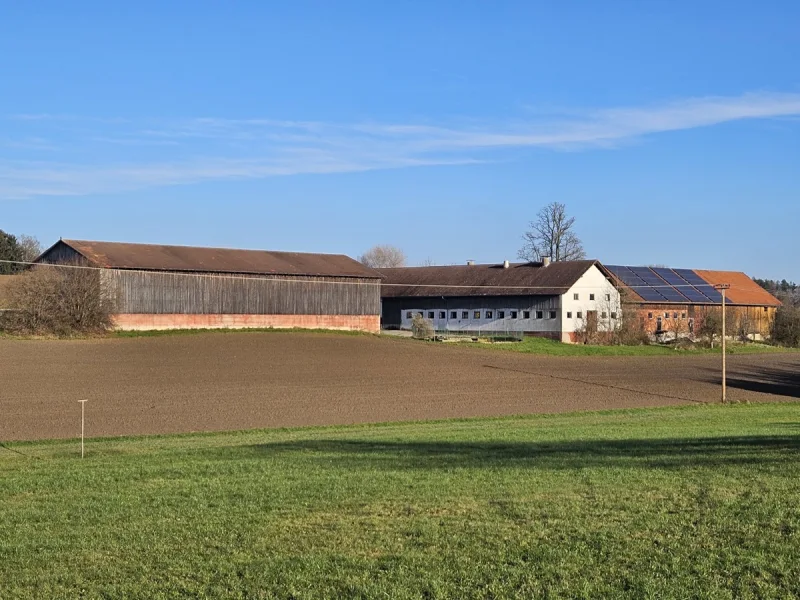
(554, 300)
(177, 287)
(674, 302)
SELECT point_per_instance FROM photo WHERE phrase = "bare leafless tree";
(30, 247)
(382, 257)
(428, 262)
(58, 301)
(552, 234)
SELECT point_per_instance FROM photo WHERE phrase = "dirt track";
(210, 382)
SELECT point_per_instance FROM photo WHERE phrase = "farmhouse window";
(603, 315)
(488, 314)
(608, 297)
(442, 314)
(526, 314)
(430, 314)
(576, 296)
(513, 314)
(552, 314)
(453, 314)
(613, 315)
(591, 296)
(579, 314)
(465, 314)
(539, 314)
(569, 314)
(477, 314)
(501, 314)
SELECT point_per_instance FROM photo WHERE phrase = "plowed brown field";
(214, 381)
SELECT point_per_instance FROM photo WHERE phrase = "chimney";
(545, 261)
(506, 264)
(470, 263)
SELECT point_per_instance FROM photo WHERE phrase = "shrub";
(59, 301)
(421, 328)
(786, 326)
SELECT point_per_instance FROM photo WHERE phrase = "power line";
(257, 277)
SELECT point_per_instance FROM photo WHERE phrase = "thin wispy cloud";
(75, 155)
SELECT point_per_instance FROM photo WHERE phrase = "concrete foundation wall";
(144, 322)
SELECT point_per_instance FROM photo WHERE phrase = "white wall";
(546, 323)
(606, 300)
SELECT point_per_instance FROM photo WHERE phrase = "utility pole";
(722, 287)
(83, 405)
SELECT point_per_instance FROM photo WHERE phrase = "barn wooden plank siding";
(168, 287)
(147, 292)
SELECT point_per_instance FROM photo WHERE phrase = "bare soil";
(212, 382)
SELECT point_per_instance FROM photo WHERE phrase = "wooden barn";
(673, 302)
(180, 287)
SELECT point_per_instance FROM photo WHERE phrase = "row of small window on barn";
(666, 315)
(501, 314)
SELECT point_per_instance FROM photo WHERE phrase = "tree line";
(19, 249)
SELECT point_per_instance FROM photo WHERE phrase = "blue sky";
(671, 130)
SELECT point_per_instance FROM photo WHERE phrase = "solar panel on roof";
(694, 296)
(679, 284)
(690, 276)
(712, 294)
(626, 275)
(700, 284)
(671, 294)
(650, 294)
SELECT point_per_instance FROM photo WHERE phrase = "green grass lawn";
(700, 501)
(537, 345)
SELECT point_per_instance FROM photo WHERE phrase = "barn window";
(465, 314)
(766, 309)
(539, 314)
(579, 314)
(477, 314)
(488, 314)
(683, 315)
(513, 314)
(576, 296)
(674, 315)
(552, 314)
(442, 314)
(650, 316)
(430, 314)
(569, 314)
(501, 314)
(603, 315)
(453, 314)
(526, 314)
(591, 296)
(409, 315)
(613, 315)
(666, 315)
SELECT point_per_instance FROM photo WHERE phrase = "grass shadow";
(555, 455)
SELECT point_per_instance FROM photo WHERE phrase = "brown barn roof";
(522, 279)
(743, 290)
(156, 257)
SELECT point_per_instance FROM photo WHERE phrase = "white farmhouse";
(554, 300)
